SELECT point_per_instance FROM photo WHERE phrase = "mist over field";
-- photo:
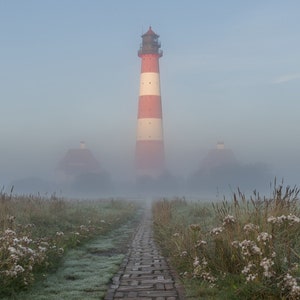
(229, 73)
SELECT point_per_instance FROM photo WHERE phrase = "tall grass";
(36, 232)
(239, 249)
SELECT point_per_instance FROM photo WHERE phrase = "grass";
(85, 271)
(238, 249)
(37, 233)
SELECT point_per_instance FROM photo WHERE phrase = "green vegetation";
(38, 234)
(239, 249)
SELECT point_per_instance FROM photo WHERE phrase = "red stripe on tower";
(149, 143)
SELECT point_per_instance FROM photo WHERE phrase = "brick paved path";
(144, 274)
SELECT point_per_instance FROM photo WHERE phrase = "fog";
(70, 72)
(192, 175)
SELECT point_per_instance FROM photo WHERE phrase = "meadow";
(37, 234)
(242, 248)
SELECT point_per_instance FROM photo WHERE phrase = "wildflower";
(9, 232)
(183, 253)
(235, 244)
(264, 237)
(228, 220)
(251, 277)
(45, 244)
(19, 269)
(216, 231)
(267, 263)
(196, 261)
(11, 219)
(83, 228)
(247, 271)
(201, 243)
(15, 258)
(208, 277)
(249, 248)
(204, 262)
(26, 240)
(12, 250)
(293, 218)
(29, 250)
(29, 226)
(247, 268)
(250, 227)
(102, 221)
(272, 220)
(10, 273)
(59, 233)
(184, 274)
(42, 249)
(176, 234)
(291, 286)
(60, 251)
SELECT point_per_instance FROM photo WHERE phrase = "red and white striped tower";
(149, 143)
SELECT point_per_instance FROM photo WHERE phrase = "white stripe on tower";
(149, 84)
(149, 143)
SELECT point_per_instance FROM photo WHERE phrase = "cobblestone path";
(144, 274)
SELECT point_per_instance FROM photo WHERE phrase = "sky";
(69, 71)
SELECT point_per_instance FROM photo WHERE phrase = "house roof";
(218, 157)
(150, 32)
(78, 161)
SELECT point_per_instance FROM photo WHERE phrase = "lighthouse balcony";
(150, 51)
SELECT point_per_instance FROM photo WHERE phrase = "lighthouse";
(149, 142)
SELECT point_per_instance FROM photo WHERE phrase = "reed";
(246, 248)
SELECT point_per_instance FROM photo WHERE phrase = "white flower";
(9, 232)
(183, 253)
(19, 269)
(217, 230)
(247, 268)
(60, 251)
(272, 220)
(264, 237)
(42, 249)
(267, 263)
(293, 218)
(196, 261)
(290, 284)
(26, 240)
(12, 250)
(250, 227)
(249, 248)
(228, 220)
(251, 277)
(201, 243)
